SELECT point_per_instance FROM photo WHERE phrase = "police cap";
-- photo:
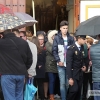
(81, 36)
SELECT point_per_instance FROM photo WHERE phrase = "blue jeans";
(52, 77)
(96, 86)
(12, 86)
(63, 82)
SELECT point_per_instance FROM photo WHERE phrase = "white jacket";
(32, 69)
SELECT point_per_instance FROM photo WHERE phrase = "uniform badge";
(76, 52)
(83, 53)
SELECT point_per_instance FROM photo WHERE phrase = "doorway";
(48, 13)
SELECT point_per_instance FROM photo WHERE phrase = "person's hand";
(1, 36)
(71, 81)
(29, 76)
(83, 68)
(39, 66)
(61, 63)
(90, 63)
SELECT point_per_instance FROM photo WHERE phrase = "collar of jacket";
(68, 37)
(9, 35)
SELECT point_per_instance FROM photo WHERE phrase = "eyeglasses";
(22, 36)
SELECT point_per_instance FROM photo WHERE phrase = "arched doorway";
(49, 13)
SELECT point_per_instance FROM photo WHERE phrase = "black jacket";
(75, 61)
(40, 72)
(13, 60)
(58, 46)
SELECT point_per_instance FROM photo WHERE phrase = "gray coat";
(95, 58)
(51, 65)
(33, 48)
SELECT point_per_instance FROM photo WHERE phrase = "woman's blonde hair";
(90, 41)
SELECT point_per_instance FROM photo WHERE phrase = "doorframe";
(76, 14)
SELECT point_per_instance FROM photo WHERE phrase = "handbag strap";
(17, 48)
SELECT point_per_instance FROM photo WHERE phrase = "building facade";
(49, 13)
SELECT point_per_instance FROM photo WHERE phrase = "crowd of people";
(44, 58)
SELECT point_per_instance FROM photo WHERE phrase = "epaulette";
(72, 46)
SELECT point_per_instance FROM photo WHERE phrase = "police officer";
(75, 67)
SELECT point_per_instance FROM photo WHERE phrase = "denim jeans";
(96, 86)
(63, 82)
(52, 77)
(12, 86)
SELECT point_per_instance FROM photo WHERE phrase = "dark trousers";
(74, 92)
(87, 78)
(40, 84)
(57, 86)
(52, 77)
(1, 94)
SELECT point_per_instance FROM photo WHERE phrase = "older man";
(95, 58)
(15, 59)
(31, 70)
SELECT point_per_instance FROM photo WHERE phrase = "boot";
(51, 97)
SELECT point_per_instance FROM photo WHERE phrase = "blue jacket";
(95, 58)
(58, 46)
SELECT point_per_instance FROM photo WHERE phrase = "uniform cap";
(81, 36)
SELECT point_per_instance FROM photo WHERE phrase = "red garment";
(89, 54)
(4, 9)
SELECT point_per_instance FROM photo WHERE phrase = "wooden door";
(15, 5)
(21, 5)
(76, 13)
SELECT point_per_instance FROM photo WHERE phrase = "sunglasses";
(22, 36)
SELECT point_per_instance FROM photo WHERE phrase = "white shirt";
(78, 45)
(65, 40)
(65, 49)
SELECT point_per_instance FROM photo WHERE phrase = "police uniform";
(75, 61)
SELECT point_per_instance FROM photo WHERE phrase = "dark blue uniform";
(75, 61)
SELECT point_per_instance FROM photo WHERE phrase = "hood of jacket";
(50, 34)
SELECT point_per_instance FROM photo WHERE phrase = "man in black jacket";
(75, 67)
(60, 44)
(15, 59)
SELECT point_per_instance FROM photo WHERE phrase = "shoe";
(45, 98)
(51, 97)
(91, 98)
(84, 99)
(57, 96)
